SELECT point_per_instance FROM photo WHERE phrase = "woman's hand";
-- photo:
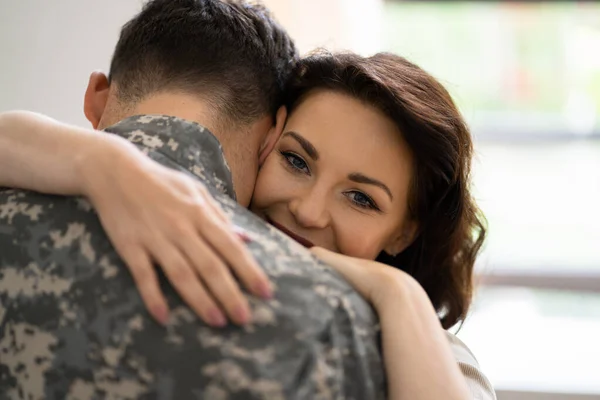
(154, 214)
(150, 213)
(375, 282)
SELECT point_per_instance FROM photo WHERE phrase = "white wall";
(49, 47)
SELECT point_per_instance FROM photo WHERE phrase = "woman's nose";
(310, 210)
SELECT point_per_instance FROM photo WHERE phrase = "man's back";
(72, 324)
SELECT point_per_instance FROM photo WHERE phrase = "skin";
(322, 187)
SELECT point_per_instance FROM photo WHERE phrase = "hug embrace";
(239, 223)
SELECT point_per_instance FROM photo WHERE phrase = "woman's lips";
(304, 242)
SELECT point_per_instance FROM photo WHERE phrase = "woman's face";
(338, 178)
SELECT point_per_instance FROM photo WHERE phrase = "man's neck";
(181, 105)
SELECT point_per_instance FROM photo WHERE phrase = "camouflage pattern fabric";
(73, 326)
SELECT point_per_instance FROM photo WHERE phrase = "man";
(72, 322)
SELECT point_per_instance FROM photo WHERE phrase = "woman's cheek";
(269, 183)
(357, 238)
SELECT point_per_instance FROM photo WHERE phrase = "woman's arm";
(39, 153)
(417, 355)
(418, 359)
(183, 229)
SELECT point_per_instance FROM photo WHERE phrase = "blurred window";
(527, 78)
(537, 340)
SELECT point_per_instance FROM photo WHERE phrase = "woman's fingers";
(374, 281)
(184, 279)
(220, 213)
(217, 278)
(343, 264)
(145, 278)
(348, 267)
(333, 259)
(188, 234)
(227, 244)
(206, 199)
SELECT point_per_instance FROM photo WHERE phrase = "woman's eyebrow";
(306, 145)
(360, 178)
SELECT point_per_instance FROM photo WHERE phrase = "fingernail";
(265, 290)
(245, 238)
(242, 314)
(217, 318)
(161, 313)
(241, 234)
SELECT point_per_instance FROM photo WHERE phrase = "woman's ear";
(273, 135)
(96, 97)
(402, 239)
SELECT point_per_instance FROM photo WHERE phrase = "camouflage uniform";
(73, 326)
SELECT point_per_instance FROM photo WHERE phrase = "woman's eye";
(295, 161)
(362, 200)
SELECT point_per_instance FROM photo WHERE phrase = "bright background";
(527, 78)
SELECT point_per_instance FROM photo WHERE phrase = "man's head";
(223, 64)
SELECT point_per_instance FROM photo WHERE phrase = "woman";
(372, 172)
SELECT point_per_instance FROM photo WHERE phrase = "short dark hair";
(451, 227)
(233, 52)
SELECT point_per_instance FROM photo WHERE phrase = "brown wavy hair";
(451, 227)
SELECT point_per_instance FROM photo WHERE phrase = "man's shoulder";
(24, 207)
(35, 226)
(56, 248)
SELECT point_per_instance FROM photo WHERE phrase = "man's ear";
(96, 97)
(402, 239)
(271, 138)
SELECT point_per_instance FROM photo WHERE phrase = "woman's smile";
(303, 241)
